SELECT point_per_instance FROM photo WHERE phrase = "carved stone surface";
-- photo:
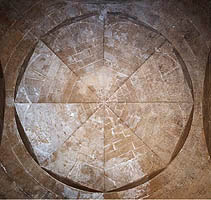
(102, 106)
(103, 99)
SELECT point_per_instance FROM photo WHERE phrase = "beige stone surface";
(127, 45)
(70, 102)
(163, 121)
(48, 126)
(102, 79)
(80, 158)
(127, 157)
(47, 79)
(78, 44)
(105, 99)
(161, 72)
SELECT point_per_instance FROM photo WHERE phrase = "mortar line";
(72, 134)
(134, 133)
(137, 69)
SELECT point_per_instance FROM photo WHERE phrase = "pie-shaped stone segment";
(103, 102)
(48, 80)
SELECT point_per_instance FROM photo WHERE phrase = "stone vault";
(104, 100)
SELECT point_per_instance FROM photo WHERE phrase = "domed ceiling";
(95, 95)
(103, 102)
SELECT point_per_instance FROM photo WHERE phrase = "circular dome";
(104, 102)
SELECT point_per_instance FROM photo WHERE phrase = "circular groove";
(182, 141)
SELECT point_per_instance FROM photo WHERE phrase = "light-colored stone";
(160, 78)
(88, 50)
(81, 157)
(163, 121)
(48, 126)
(127, 157)
(48, 80)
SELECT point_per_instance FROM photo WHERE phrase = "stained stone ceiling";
(105, 99)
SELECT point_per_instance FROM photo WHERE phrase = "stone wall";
(103, 99)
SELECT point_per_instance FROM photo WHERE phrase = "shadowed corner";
(206, 105)
(2, 101)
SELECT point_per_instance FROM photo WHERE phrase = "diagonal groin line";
(63, 24)
(70, 21)
(191, 114)
(180, 59)
(183, 137)
(66, 23)
(133, 132)
(135, 20)
(60, 59)
(72, 134)
(138, 182)
(136, 70)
